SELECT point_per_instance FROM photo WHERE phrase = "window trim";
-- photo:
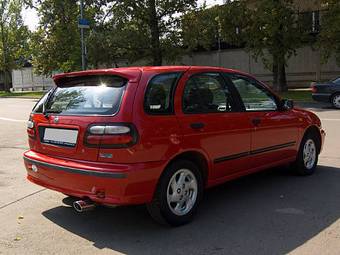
(259, 84)
(171, 96)
(235, 107)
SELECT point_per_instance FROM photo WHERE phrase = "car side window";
(159, 94)
(206, 93)
(254, 96)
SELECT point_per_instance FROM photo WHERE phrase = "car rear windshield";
(92, 95)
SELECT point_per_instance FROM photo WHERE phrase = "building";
(25, 79)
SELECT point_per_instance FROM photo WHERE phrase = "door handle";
(197, 125)
(256, 121)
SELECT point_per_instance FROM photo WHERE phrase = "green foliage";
(274, 29)
(14, 38)
(148, 29)
(234, 19)
(203, 28)
(329, 38)
(120, 30)
(274, 35)
(56, 43)
(200, 28)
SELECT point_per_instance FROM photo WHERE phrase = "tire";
(186, 197)
(335, 100)
(308, 155)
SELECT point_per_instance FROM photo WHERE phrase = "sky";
(31, 18)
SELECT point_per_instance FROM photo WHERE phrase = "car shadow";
(272, 212)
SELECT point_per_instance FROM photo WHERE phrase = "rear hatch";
(70, 120)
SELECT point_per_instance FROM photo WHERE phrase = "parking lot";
(272, 212)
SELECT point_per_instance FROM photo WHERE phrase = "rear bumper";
(104, 183)
(321, 97)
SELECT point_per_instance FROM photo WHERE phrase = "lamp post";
(83, 24)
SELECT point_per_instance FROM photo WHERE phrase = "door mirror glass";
(287, 104)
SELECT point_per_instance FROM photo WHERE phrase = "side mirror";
(287, 104)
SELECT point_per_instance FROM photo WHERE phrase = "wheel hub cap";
(309, 154)
(336, 101)
(182, 192)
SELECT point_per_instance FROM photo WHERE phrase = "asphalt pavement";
(272, 212)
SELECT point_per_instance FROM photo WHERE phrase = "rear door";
(62, 119)
(275, 131)
(211, 122)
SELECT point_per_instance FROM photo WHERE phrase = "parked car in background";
(328, 92)
(161, 135)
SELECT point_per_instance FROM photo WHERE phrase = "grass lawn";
(29, 94)
(298, 95)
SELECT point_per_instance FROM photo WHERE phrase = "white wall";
(25, 79)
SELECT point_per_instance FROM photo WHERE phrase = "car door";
(275, 131)
(211, 122)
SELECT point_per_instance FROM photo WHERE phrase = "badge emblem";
(56, 120)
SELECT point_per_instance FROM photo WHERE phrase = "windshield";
(93, 95)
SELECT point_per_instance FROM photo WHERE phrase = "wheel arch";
(197, 157)
(314, 130)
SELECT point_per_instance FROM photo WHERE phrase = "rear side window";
(92, 95)
(206, 93)
(159, 93)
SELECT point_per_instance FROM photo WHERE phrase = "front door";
(211, 120)
(275, 131)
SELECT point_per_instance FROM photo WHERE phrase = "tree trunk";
(275, 73)
(156, 51)
(282, 78)
(7, 87)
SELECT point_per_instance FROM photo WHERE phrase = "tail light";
(314, 90)
(118, 135)
(30, 128)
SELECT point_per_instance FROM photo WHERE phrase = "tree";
(56, 43)
(274, 35)
(14, 37)
(329, 38)
(206, 28)
(150, 27)
(200, 28)
(233, 19)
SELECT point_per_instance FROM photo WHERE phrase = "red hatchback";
(161, 135)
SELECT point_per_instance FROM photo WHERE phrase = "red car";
(161, 135)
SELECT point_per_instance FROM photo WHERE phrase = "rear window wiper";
(47, 112)
(52, 111)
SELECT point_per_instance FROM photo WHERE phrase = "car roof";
(133, 74)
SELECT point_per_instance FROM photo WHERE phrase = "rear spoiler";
(131, 74)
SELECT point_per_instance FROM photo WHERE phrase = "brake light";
(30, 127)
(118, 135)
(314, 90)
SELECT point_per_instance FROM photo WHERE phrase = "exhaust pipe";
(83, 205)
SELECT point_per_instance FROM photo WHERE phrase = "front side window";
(92, 95)
(254, 96)
(159, 93)
(206, 93)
